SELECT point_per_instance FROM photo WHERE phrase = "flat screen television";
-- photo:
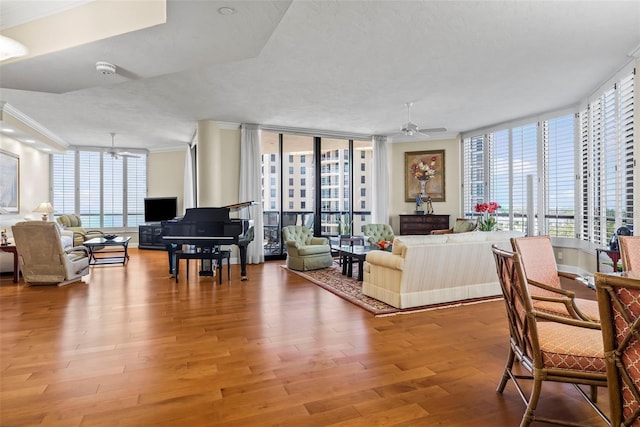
(160, 208)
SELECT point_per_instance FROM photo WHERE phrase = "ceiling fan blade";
(433, 130)
(127, 154)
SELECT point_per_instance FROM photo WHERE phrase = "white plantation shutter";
(626, 107)
(113, 190)
(136, 190)
(90, 188)
(104, 191)
(606, 131)
(500, 176)
(63, 183)
(609, 156)
(586, 182)
(524, 164)
(473, 172)
(559, 182)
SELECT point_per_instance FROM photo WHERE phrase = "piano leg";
(243, 262)
(171, 251)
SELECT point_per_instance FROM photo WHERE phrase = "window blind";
(63, 182)
(104, 191)
(606, 130)
(90, 186)
(559, 182)
(473, 172)
(500, 176)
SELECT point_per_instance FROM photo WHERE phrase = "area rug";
(350, 289)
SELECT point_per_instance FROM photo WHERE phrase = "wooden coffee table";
(110, 251)
(351, 254)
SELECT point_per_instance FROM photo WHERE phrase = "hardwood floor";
(133, 348)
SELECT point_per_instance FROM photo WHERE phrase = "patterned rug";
(350, 289)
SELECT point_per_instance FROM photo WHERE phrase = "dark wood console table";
(422, 224)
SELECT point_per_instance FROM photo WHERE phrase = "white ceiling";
(334, 65)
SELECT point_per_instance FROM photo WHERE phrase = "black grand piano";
(207, 229)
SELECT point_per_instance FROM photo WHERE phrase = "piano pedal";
(207, 273)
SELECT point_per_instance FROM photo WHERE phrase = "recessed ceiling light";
(8, 130)
(30, 141)
(226, 10)
(46, 149)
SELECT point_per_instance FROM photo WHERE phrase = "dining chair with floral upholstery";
(549, 347)
(544, 280)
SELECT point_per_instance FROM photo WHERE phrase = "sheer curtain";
(380, 181)
(189, 200)
(251, 186)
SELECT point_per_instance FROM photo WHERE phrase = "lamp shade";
(45, 208)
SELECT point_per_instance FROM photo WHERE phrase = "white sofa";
(432, 269)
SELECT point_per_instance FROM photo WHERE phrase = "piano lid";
(238, 206)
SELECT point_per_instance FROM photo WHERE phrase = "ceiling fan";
(411, 129)
(119, 153)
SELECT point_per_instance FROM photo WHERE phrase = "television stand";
(150, 236)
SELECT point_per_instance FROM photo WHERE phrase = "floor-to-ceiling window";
(320, 183)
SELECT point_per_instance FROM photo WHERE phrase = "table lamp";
(45, 208)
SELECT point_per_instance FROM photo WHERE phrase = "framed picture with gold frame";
(434, 187)
(9, 182)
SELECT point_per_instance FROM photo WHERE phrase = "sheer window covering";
(251, 186)
(380, 181)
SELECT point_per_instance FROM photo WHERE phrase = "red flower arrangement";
(487, 222)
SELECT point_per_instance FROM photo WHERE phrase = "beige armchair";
(72, 222)
(43, 257)
(462, 225)
(378, 232)
(304, 251)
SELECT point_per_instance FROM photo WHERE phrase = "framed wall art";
(9, 182)
(424, 171)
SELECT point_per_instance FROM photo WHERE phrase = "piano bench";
(217, 255)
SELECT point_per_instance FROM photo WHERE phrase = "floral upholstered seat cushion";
(567, 347)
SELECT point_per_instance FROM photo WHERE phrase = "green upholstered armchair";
(304, 251)
(73, 223)
(378, 232)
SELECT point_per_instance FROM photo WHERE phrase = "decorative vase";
(423, 185)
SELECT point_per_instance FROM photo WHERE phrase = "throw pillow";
(463, 226)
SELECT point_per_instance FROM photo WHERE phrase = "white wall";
(452, 204)
(34, 188)
(165, 175)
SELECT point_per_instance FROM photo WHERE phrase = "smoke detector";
(105, 68)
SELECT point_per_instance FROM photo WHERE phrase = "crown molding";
(11, 116)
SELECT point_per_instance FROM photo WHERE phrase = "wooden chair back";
(619, 301)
